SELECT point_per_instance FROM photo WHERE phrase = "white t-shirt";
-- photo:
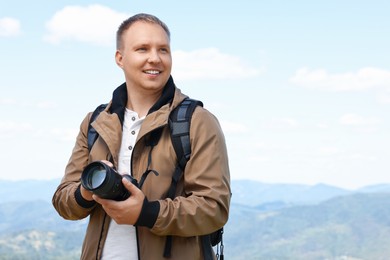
(121, 241)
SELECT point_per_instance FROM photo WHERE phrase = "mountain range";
(245, 192)
(267, 221)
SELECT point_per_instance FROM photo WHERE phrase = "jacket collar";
(119, 99)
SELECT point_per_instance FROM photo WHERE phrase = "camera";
(105, 182)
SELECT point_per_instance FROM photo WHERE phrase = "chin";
(154, 87)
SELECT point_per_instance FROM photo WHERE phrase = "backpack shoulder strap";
(179, 124)
(92, 134)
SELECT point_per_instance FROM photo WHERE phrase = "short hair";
(135, 18)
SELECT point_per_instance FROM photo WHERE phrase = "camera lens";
(96, 177)
(104, 181)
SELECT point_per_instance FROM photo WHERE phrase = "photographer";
(134, 138)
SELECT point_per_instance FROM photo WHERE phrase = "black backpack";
(179, 124)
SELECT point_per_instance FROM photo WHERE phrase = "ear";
(119, 58)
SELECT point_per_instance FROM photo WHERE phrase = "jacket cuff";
(149, 213)
(81, 201)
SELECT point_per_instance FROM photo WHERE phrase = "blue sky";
(301, 88)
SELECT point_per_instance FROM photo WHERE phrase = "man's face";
(145, 57)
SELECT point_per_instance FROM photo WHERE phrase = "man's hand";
(86, 194)
(127, 211)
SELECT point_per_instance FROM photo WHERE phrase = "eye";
(164, 50)
(141, 49)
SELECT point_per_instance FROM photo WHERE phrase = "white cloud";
(322, 125)
(95, 24)
(282, 123)
(357, 120)
(361, 157)
(210, 63)
(270, 146)
(13, 129)
(384, 96)
(9, 27)
(329, 150)
(259, 159)
(232, 127)
(7, 101)
(10, 129)
(363, 79)
(65, 134)
(384, 99)
(45, 105)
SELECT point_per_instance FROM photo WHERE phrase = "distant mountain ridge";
(267, 221)
(348, 227)
(245, 192)
(354, 226)
(253, 193)
(27, 190)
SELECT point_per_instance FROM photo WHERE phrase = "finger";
(108, 163)
(96, 198)
(129, 186)
(106, 203)
(86, 194)
(100, 200)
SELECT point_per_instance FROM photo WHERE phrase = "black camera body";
(105, 182)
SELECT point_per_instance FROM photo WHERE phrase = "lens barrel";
(104, 181)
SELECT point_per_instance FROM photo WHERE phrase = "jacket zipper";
(101, 236)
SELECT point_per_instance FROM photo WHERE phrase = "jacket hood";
(119, 99)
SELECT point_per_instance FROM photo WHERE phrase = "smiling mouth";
(152, 72)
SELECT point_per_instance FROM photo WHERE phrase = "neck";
(141, 102)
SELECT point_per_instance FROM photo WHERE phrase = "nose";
(154, 56)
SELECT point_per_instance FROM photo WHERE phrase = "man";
(137, 228)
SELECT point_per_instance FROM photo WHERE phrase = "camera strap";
(146, 173)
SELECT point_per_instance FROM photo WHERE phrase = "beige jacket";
(203, 200)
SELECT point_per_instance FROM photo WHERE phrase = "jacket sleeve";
(204, 208)
(67, 199)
